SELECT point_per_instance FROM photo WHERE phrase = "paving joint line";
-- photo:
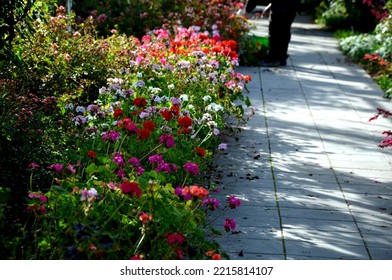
(272, 168)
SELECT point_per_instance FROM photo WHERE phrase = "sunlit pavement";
(313, 182)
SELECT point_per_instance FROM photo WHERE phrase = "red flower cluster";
(91, 154)
(118, 113)
(375, 57)
(127, 124)
(227, 48)
(139, 102)
(185, 122)
(169, 114)
(174, 238)
(201, 152)
(131, 188)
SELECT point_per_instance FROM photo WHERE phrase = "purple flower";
(229, 224)
(175, 101)
(166, 167)
(94, 109)
(156, 159)
(136, 165)
(57, 167)
(79, 120)
(178, 191)
(191, 167)
(167, 139)
(134, 161)
(163, 167)
(183, 193)
(120, 173)
(211, 203)
(222, 146)
(233, 202)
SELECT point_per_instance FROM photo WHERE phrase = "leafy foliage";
(118, 134)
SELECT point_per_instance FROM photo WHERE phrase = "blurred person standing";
(281, 16)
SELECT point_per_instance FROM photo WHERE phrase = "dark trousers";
(279, 35)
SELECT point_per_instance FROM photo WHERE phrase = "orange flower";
(144, 217)
(199, 192)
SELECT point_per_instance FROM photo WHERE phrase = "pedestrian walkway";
(313, 182)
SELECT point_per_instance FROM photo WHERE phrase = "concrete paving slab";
(313, 182)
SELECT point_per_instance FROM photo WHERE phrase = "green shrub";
(359, 45)
(385, 83)
(345, 14)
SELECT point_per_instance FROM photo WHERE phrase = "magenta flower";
(183, 193)
(233, 202)
(166, 167)
(178, 191)
(211, 203)
(191, 167)
(57, 167)
(39, 196)
(111, 135)
(33, 165)
(71, 168)
(229, 224)
(120, 172)
(167, 140)
(173, 238)
(156, 159)
(118, 159)
(134, 161)
(136, 165)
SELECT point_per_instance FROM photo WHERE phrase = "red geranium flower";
(149, 125)
(131, 188)
(185, 121)
(139, 102)
(91, 154)
(200, 151)
(175, 110)
(167, 114)
(143, 134)
(117, 113)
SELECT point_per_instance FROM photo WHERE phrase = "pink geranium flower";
(57, 167)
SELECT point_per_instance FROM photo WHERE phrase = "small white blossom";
(207, 98)
(184, 97)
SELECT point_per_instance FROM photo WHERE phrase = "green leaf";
(247, 101)
(91, 169)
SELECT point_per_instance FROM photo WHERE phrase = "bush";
(346, 14)
(374, 52)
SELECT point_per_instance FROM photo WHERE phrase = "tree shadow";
(313, 182)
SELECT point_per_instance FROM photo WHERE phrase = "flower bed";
(130, 176)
